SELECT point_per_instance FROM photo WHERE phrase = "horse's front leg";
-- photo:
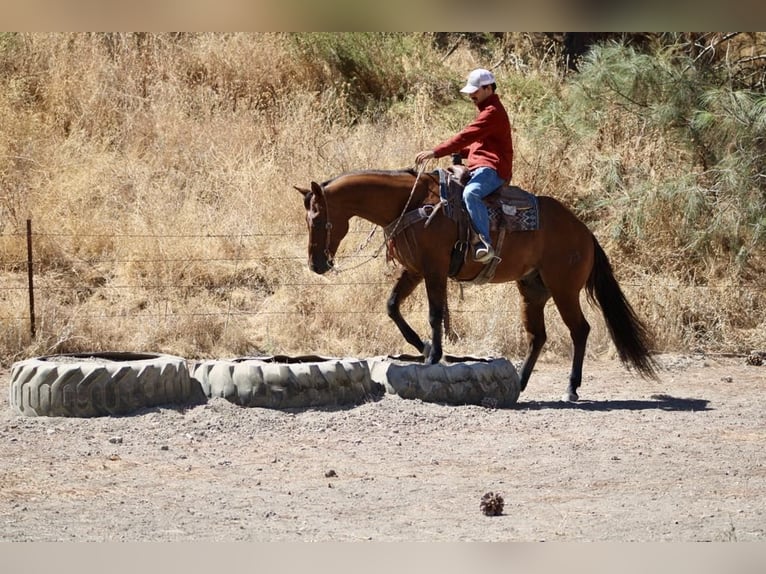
(436, 287)
(405, 285)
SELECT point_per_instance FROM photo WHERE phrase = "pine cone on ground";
(492, 504)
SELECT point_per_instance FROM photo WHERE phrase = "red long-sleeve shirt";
(486, 141)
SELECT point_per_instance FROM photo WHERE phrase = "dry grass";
(157, 171)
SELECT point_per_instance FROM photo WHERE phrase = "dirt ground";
(680, 459)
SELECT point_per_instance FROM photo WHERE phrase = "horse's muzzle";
(320, 267)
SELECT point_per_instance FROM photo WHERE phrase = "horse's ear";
(316, 188)
(303, 190)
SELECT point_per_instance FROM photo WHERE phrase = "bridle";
(328, 230)
(328, 226)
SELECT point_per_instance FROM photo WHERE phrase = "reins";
(394, 227)
(366, 242)
(409, 199)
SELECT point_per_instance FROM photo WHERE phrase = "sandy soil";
(681, 459)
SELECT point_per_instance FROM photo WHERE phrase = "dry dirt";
(680, 459)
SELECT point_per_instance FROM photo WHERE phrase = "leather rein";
(390, 230)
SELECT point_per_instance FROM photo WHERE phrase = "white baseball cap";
(477, 79)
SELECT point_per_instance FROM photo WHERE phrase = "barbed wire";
(47, 270)
(51, 266)
(381, 312)
(20, 263)
(43, 288)
(168, 235)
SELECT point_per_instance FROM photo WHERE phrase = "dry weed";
(157, 171)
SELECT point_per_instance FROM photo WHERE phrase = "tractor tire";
(98, 384)
(281, 382)
(457, 381)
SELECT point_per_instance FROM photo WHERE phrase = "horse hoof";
(570, 397)
(426, 349)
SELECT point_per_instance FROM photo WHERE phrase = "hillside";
(157, 171)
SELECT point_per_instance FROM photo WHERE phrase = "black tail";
(629, 334)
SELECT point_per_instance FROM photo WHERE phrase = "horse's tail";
(628, 333)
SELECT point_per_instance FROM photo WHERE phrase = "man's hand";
(423, 156)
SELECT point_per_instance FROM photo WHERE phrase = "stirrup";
(482, 251)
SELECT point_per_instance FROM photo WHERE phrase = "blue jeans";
(484, 180)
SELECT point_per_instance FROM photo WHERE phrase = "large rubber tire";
(98, 384)
(456, 381)
(281, 382)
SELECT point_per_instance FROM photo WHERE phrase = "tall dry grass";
(157, 171)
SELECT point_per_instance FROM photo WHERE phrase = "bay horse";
(557, 261)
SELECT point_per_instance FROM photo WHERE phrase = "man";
(487, 144)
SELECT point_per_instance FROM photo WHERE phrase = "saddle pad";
(515, 208)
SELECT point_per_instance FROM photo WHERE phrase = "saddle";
(510, 209)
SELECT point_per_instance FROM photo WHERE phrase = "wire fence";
(26, 279)
(39, 283)
(56, 287)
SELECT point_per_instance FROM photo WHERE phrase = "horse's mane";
(408, 171)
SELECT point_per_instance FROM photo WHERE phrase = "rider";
(487, 144)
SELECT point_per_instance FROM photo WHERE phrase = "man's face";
(481, 94)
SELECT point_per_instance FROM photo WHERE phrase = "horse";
(558, 260)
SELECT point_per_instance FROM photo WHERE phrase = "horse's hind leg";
(403, 287)
(568, 304)
(534, 295)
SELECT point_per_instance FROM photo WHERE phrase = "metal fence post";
(30, 275)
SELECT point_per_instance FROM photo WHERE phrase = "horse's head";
(325, 233)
